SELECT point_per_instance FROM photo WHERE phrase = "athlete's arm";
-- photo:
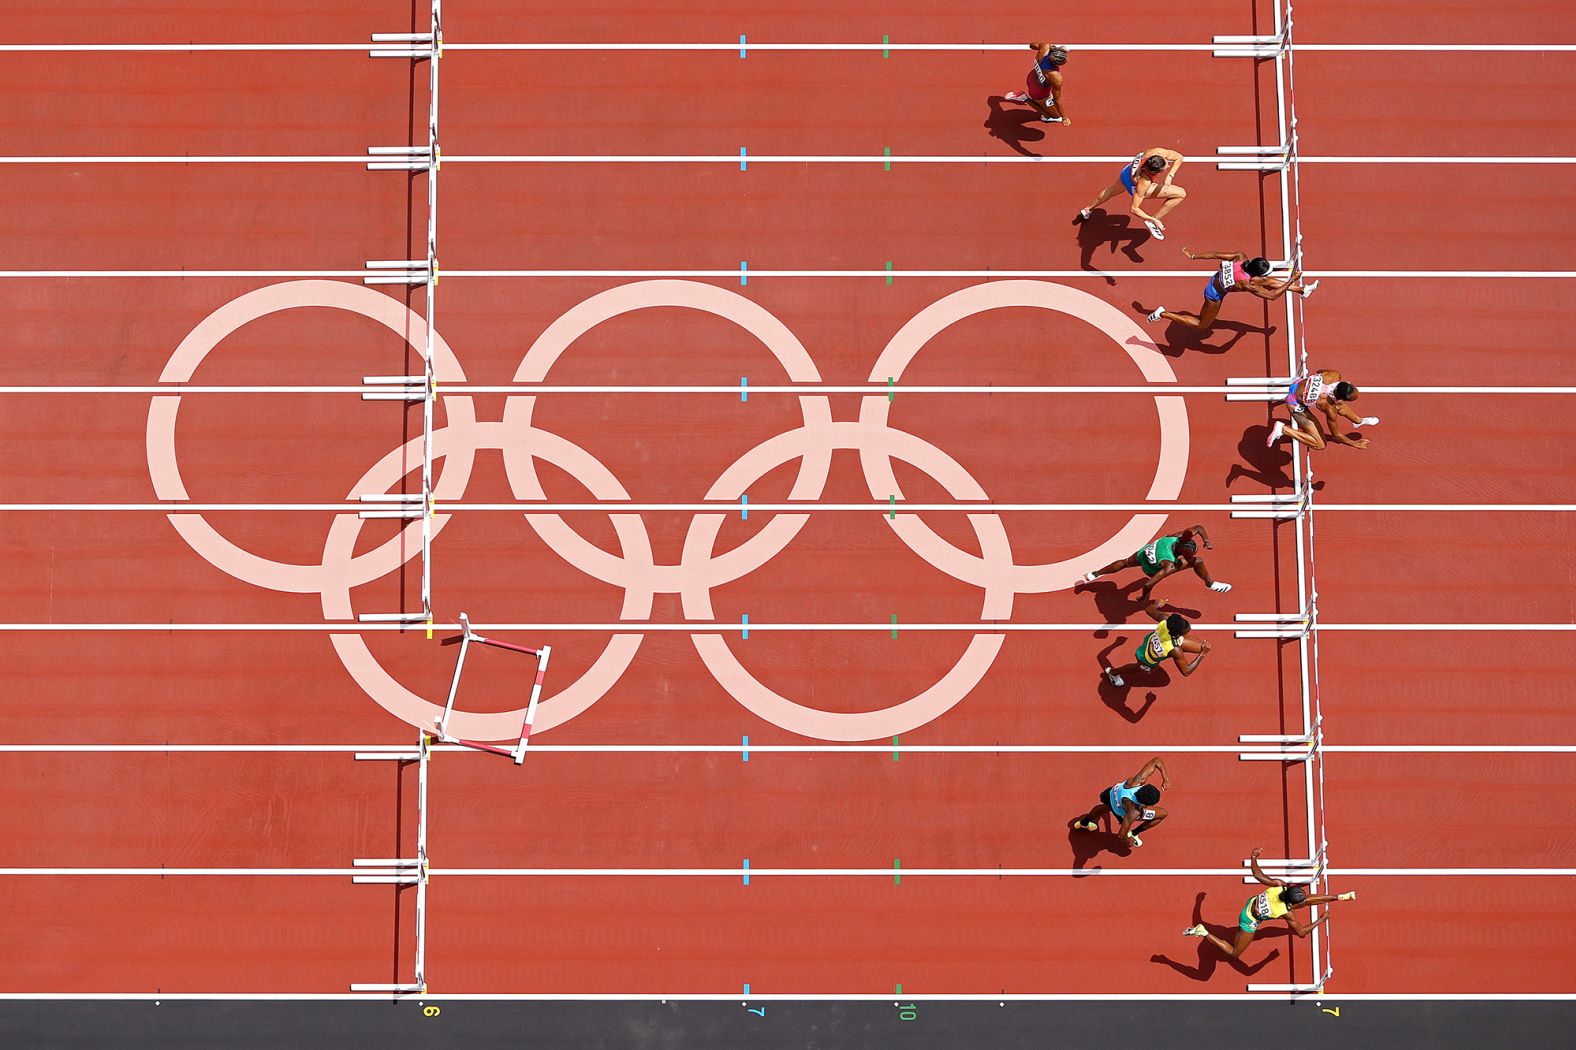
(1258, 872)
(1203, 535)
(1176, 160)
(1233, 256)
(1272, 289)
(1153, 766)
(1335, 429)
(1156, 609)
(1300, 928)
(1186, 668)
(1040, 48)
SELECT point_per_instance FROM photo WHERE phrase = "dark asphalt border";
(796, 1025)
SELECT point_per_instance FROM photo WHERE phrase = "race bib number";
(1228, 276)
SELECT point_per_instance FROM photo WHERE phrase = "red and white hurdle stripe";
(542, 655)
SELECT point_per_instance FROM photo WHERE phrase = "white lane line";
(791, 749)
(736, 274)
(814, 873)
(733, 47)
(730, 160)
(796, 390)
(784, 997)
(713, 627)
(611, 507)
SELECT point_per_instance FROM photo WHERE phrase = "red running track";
(1395, 810)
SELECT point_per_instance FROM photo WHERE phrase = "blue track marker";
(744, 163)
(746, 989)
(746, 749)
(744, 506)
(743, 52)
(746, 882)
(744, 388)
(746, 627)
(744, 272)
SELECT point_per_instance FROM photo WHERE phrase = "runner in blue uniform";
(1148, 176)
(1132, 801)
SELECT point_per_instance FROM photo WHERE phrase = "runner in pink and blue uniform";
(1237, 273)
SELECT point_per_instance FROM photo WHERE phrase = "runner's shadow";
(1014, 126)
(1112, 232)
(1270, 467)
(1210, 957)
(1178, 339)
(1115, 602)
(1117, 698)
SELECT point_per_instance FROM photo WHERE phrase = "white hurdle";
(404, 871)
(467, 636)
(427, 159)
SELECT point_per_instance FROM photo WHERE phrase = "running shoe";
(1156, 231)
(1220, 588)
(1154, 315)
(1016, 96)
(1349, 895)
(1195, 931)
(1082, 216)
(1050, 120)
(1308, 289)
(1275, 433)
(1086, 825)
(1114, 678)
(1090, 577)
(1134, 841)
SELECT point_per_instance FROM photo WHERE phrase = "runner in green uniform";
(1167, 555)
(1166, 640)
(1280, 901)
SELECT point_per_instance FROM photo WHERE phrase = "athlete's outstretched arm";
(1258, 872)
(1233, 256)
(1203, 534)
(1156, 609)
(1204, 649)
(1153, 766)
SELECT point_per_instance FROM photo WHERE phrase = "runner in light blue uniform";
(1132, 802)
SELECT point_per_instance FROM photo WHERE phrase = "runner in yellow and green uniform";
(1168, 640)
(1280, 900)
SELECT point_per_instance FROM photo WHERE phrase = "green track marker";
(899, 990)
(886, 165)
(894, 749)
(891, 383)
(897, 872)
(892, 507)
(894, 627)
(889, 274)
(885, 40)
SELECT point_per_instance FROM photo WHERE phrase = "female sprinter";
(1237, 273)
(1277, 902)
(1322, 390)
(1150, 176)
(1045, 82)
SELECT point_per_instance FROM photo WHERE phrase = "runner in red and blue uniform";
(1237, 273)
(1326, 392)
(1045, 82)
(1148, 176)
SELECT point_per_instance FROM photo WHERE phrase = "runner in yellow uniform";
(1168, 639)
(1279, 901)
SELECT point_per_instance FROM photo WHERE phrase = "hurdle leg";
(454, 685)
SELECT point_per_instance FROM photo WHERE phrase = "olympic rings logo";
(699, 569)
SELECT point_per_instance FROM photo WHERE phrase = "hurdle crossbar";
(467, 636)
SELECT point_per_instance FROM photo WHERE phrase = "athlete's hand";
(1256, 852)
(1360, 443)
(1067, 122)
(1188, 252)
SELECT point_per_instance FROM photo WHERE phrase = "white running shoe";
(1114, 678)
(1308, 289)
(1016, 96)
(1349, 895)
(1275, 433)
(1154, 315)
(1368, 421)
(1134, 841)
(1157, 231)
(1050, 120)
(1090, 577)
(1195, 931)
(1220, 588)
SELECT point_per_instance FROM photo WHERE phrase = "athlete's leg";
(1204, 320)
(1090, 821)
(1171, 195)
(1106, 194)
(1304, 431)
(1130, 562)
